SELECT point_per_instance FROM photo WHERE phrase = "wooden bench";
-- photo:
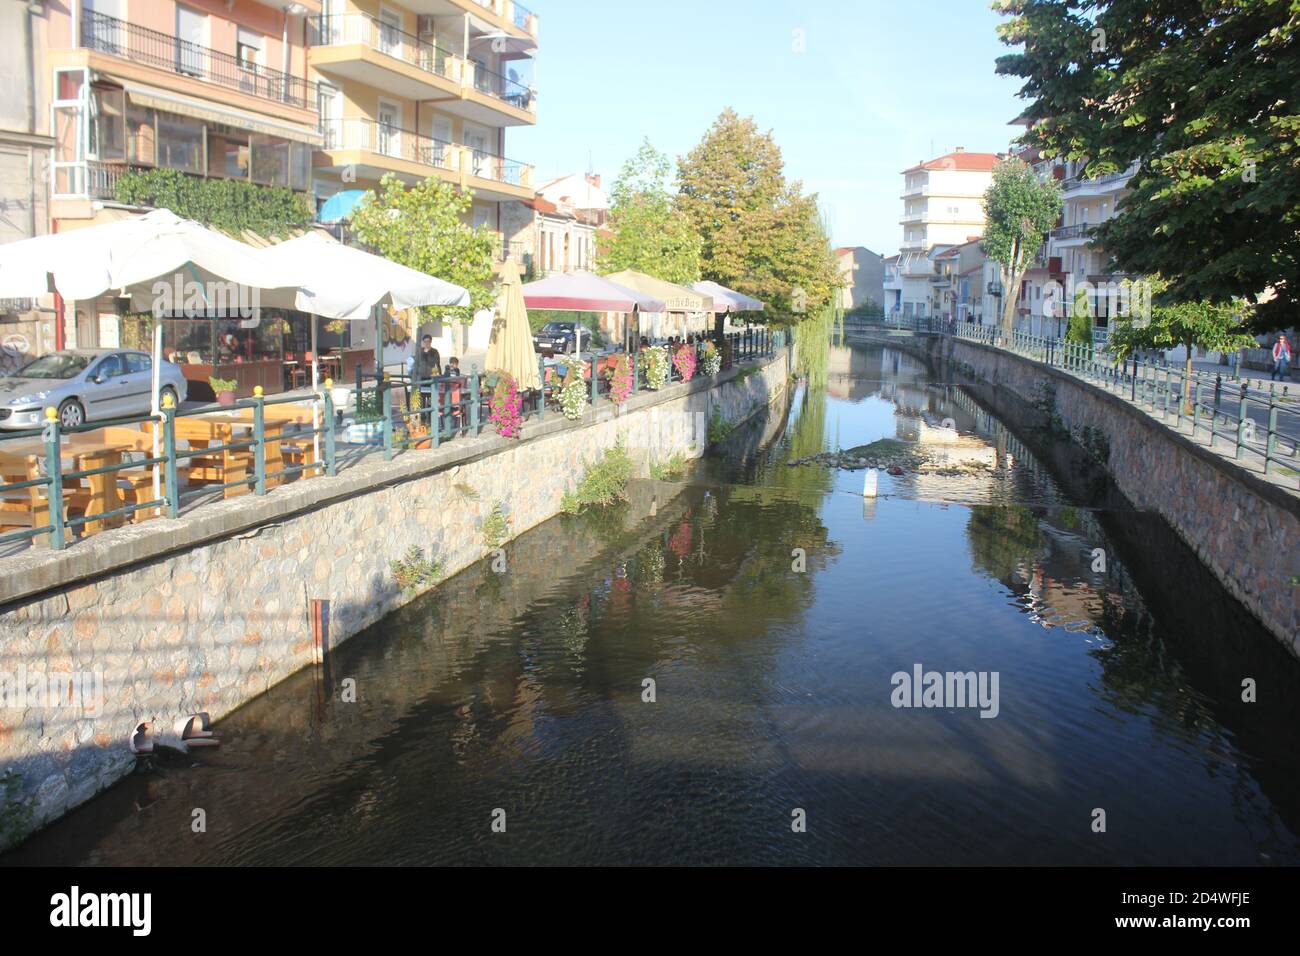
(23, 507)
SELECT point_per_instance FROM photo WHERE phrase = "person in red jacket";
(1281, 359)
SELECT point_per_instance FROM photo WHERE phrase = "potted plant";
(224, 389)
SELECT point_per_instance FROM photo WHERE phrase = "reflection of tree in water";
(1004, 539)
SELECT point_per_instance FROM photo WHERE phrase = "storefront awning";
(198, 109)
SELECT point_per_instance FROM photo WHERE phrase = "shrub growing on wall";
(231, 205)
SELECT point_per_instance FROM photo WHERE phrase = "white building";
(557, 230)
(942, 207)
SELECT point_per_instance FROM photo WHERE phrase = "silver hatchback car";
(85, 385)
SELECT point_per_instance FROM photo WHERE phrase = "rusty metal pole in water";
(319, 614)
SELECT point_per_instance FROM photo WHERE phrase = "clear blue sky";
(879, 86)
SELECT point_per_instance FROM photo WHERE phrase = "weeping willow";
(813, 341)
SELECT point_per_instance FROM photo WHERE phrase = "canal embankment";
(202, 613)
(1245, 530)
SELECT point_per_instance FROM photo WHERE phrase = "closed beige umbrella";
(510, 349)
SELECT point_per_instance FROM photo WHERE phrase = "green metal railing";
(457, 406)
(1194, 404)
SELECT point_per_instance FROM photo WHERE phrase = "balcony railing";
(105, 34)
(510, 91)
(521, 16)
(337, 30)
(390, 141)
(417, 148)
(1079, 230)
(1074, 182)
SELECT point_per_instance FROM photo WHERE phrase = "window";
(191, 37)
(110, 367)
(271, 160)
(248, 49)
(138, 362)
(180, 142)
(228, 152)
(108, 131)
(141, 136)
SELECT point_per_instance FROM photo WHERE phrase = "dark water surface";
(1118, 689)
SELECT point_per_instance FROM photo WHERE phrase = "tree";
(1203, 98)
(1079, 330)
(761, 235)
(1215, 326)
(421, 226)
(649, 233)
(1019, 209)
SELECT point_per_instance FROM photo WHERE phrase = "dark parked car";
(561, 337)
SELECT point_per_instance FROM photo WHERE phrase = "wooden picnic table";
(88, 451)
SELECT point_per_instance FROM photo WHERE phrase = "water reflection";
(770, 617)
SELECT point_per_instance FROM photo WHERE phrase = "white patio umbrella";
(131, 256)
(342, 282)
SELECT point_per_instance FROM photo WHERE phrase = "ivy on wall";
(230, 205)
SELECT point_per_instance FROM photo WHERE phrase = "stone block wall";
(1244, 529)
(202, 613)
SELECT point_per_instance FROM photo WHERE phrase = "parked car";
(561, 337)
(85, 385)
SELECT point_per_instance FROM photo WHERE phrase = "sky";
(854, 91)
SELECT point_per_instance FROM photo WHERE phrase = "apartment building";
(26, 330)
(891, 286)
(213, 88)
(863, 274)
(1087, 203)
(425, 88)
(942, 207)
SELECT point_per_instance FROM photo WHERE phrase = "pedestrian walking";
(428, 364)
(1281, 359)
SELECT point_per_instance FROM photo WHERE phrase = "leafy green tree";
(1215, 326)
(1080, 327)
(422, 226)
(1203, 97)
(649, 233)
(1019, 209)
(761, 235)
(230, 205)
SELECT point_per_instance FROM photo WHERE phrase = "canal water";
(507, 718)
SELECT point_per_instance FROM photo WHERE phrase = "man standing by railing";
(1281, 359)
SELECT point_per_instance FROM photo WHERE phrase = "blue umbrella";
(340, 205)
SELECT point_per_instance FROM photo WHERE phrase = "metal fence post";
(1243, 411)
(594, 384)
(259, 439)
(387, 405)
(328, 402)
(432, 414)
(1270, 444)
(171, 489)
(474, 412)
(54, 472)
(636, 372)
(541, 388)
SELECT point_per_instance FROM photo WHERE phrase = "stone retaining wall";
(1244, 529)
(205, 612)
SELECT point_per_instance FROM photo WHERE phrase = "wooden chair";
(23, 507)
(136, 482)
(219, 467)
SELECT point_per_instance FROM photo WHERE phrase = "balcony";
(1103, 185)
(1076, 233)
(372, 149)
(505, 13)
(161, 51)
(361, 48)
